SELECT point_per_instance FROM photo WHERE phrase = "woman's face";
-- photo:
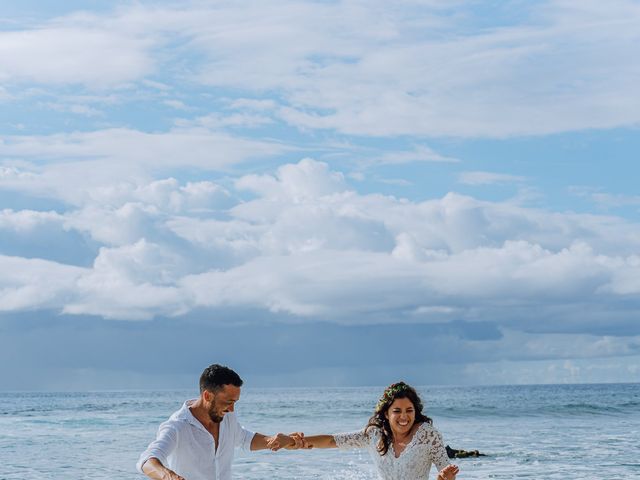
(401, 416)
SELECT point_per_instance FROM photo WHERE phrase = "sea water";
(543, 432)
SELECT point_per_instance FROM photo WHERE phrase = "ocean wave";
(549, 410)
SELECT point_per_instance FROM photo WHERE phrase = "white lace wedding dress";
(413, 463)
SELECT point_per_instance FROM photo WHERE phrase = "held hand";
(448, 473)
(171, 475)
(299, 441)
(174, 476)
(153, 468)
(278, 441)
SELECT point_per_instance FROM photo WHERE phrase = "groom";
(197, 441)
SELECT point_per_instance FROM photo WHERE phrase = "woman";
(400, 437)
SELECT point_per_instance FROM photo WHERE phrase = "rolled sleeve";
(165, 442)
(244, 439)
(242, 436)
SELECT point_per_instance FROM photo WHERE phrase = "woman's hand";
(448, 473)
(300, 441)
(278, 441)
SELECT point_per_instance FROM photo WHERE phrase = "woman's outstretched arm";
(320, 441)
(345, 441)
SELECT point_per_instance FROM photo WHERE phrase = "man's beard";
(215, 418)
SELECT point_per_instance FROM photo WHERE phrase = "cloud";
(140, 276)
(306, 180)
(25, 221)
(167, 195)
(375, 287)
(76, 167)
(45, 235)
(608, 200)
(420, 153)
(305, 245)
(207, 150)
(427, 69)
(252, 104)
(75, 108)
(32, 284)
(96, 57)
(126, 213)
(297, 253)
(492, 82)
(177, 104)
(488, 178)
(603, 200)
(219, 121)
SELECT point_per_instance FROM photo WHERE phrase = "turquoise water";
(542, 432)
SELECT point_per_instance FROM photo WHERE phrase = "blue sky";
(319, 193)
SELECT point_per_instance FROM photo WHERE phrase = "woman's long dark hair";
(379, 419)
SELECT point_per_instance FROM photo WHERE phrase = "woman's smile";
(401, 415)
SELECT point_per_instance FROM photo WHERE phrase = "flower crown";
(389, 393)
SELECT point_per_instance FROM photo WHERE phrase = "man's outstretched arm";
(153, 459)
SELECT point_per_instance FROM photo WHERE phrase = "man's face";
(222, 401)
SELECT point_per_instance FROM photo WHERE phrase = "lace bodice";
(426, 447)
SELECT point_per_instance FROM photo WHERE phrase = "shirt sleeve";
(438, 451)
(165, 442)
(243, 437)
(352, 440)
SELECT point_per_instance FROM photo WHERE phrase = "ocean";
(588, 432)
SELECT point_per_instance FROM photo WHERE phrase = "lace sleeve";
(435, 449)
(438, 450)
(352, 440)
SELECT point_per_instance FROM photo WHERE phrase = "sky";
(319, 192)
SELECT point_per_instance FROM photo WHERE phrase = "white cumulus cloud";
(304, 244)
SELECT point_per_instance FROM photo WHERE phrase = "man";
(198, 441)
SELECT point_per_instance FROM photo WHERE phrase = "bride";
(401, 439)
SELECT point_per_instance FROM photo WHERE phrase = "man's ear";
(207, 396)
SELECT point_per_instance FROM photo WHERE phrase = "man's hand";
(278, 441)
(448, 473)
(154, 469)
(300, 441)
(171, 475)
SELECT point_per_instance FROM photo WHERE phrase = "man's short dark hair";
(215, 377)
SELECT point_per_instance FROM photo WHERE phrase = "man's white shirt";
(186, 447)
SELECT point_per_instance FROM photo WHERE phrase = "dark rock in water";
(453, 453)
